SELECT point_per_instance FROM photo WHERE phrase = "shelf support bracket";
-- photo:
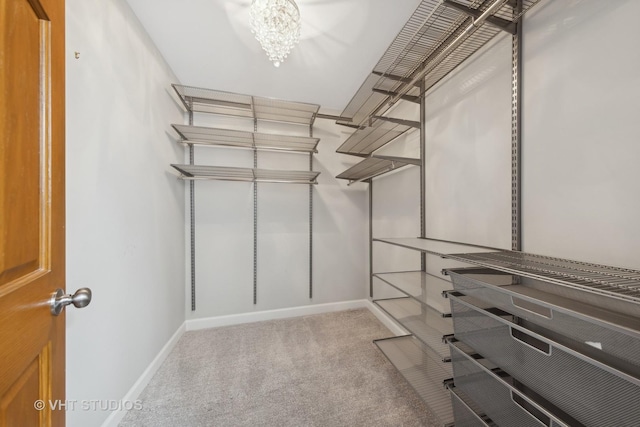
(410, 98)
(410, 123)
(503, 24)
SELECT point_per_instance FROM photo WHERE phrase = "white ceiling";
(208, 44)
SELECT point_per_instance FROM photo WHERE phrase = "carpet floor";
(320, 370)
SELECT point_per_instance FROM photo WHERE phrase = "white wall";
(468, 150)
(125, 212)
(579, 173)
(224, 229)
(581, 131)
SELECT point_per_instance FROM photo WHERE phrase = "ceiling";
(208, 44)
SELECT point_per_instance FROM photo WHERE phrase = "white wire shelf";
(422, 287)
(375, 166)
(234, 138)
(365, 141)
(434, 41)
(422, 371)
(253, 107)
(224, 173)
(422, 321)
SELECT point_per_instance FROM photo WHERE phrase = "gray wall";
(125, 237)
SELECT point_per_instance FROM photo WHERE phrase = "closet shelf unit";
(438, 37)
(257, 109)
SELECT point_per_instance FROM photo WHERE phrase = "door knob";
(59, 300)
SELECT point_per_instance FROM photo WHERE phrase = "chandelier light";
(276, 25)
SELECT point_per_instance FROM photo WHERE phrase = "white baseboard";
(387, 321)
(283, 313)
(116, 416)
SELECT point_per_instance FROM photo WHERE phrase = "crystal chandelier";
(276, 25)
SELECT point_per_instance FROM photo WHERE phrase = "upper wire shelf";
(375, 166)
(613, 282)
(437, 38)
(365, 141)
(198, 172)
(253, 107)
(253, 140)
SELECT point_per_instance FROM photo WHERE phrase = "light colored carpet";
(320, 370)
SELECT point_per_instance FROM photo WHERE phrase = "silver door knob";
(59, 300)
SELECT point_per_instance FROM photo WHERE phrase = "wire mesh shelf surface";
(372, 167)
(619, 283)
(238, 105)
(422, 321)
(422, 370)
(422, 287)
(365, 141)
(254, 140)
(614, 282)
(196, 172)
(434, 41)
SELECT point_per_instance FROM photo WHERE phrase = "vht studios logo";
(88, 405)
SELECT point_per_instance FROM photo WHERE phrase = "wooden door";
(31, 211)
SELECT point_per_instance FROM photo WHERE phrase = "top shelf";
(252, 107)
(437, 38)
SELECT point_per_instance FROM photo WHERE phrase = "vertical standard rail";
(255, 222)
(311, 221)
(516, 132)
(192, 204)
(371, 237)
(423, 172)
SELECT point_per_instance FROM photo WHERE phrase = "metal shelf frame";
(420, 367)
(202, 100)
(375, 166)
(257, 109)
(439, 36)
(612, 282)
(223, 173)
(217, 137)
(423, 287)
(425, 323)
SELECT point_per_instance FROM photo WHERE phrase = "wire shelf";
(374, 166)
(253, 140)
(238, 105)
(422, 321)
(224, 173)
(365, 141)
(614, 282)
(422, 287)
(619, 283)
(440, 248)
(434, 41)
(422, 371)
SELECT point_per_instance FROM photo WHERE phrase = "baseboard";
(283, 313)
(116, 416)
(387, 321)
